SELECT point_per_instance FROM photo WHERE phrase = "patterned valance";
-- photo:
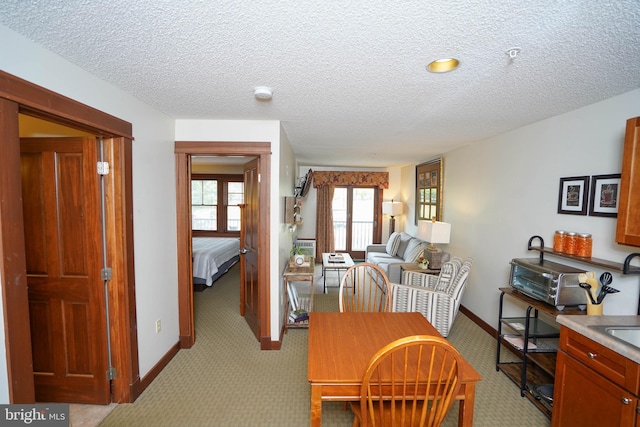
(335, 178)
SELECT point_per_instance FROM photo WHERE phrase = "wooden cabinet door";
(628, 229)
(583, 398)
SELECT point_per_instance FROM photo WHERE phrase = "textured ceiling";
(349, 80)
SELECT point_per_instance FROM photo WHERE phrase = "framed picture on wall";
(429, 191)
(573, 194)
(605, 191)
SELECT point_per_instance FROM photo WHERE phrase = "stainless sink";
(628, 334)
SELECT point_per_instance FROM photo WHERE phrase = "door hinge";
(112, 373)
(103, 168)
(106, 273)
(258, 177)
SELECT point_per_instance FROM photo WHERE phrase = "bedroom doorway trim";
(184, 150)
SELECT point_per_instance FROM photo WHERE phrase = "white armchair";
(436, 297)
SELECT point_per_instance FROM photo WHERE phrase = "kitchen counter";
(581, 324)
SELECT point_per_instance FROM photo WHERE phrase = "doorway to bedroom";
(217, 194)
(255, 258)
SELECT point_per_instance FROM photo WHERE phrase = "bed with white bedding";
(212, 257)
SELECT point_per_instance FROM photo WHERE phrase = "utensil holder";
(594, 309)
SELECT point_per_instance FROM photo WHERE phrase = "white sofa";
(436, 297)
(401, 248)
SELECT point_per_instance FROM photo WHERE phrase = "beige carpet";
(225, 380)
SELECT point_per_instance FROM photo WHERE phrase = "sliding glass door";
(355, 219)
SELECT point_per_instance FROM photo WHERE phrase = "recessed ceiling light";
(443, 65)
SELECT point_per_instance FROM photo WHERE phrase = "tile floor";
(88, 415)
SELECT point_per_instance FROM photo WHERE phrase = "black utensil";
(587, 287)
(604, 291)
(606, 278)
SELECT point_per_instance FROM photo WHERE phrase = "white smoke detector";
(263, 93)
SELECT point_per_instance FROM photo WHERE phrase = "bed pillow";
(393, 243)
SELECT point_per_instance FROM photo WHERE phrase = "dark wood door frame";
(184, 150)
(19, 96)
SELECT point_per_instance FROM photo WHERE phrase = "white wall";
(501, 191)
(256, 131)
(153, 188)
(287, 182)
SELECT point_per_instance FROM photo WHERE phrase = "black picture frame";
(605, 194)
(573, 195)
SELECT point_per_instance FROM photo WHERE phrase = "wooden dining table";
(342, 344)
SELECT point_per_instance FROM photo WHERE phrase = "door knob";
(243, 251)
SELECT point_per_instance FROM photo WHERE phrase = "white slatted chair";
(436, 297)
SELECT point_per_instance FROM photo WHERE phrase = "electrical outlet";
(158, 326)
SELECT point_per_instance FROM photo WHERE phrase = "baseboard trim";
(136, 390)
(267, 344)
(478, 321)
(487, 328)
(158, 367)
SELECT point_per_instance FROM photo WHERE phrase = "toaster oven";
(547, 281)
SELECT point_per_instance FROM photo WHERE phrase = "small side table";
(414, 267)
(327, 264)
(298, 274)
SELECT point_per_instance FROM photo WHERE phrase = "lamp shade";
(392, 208)
(434, 231)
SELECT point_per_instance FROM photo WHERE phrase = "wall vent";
(307, 244)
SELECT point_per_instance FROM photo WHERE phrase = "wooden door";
(250, 294)
(63, 241)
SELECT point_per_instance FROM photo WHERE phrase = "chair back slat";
(365, 288)
(409, 382)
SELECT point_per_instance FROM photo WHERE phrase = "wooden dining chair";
(409, 382)
(365, 287)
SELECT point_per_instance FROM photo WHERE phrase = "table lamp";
(434, 232)
(392, 208)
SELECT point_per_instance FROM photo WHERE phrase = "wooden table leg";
(316, 406)
(465, 413)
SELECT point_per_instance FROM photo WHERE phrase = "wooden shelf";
(623, 268)
(609, 265)
(292, 211)
(544, 361)
(298, 274)
(541, 363)
(513, 371)
(539, 305)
